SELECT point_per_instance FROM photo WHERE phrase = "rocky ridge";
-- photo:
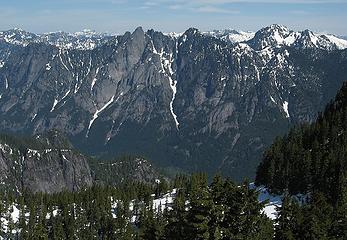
(192, 101)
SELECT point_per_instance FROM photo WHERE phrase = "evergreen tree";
(176, 228)
(151, 226)
(284, 229)
(218, 207)
(317, 218)
(200, 204)
(339, 225)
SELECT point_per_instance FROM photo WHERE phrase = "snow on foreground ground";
(158, 203)
(274, 201)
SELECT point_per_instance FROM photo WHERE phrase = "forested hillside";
(188, 208)
(312, 156)
(311, 160)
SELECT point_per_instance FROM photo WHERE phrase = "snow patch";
(32, 119)
(6, 83)
(6, 148)
(270, 211)
(285, 108)
(64, 157)
(54, 105)
(94, 79)
(33, 152)
(14, 213)
(291, 38)
(272, 99)
(163, 202)
(274, 201)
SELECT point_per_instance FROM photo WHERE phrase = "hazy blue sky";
(118, 16)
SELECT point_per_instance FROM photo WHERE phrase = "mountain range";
(196, 101)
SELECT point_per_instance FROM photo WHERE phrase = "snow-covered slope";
(276, 35)
(232, 36)
(339, 42)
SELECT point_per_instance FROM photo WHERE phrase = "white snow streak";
(272, 99)
(90, 66)
(56, 101)
(54, 104)
(32, 119)
(166, 65)
(76, 85)
(62, 62)
(68, 57)
(173, 85)
(285, 108)
(94, 80)
(67, 93)
(64, 157)
(6, 83)
(96, 114)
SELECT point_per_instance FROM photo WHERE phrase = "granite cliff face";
(194, 101)
(46, 163)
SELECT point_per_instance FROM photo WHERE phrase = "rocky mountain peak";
(271, 36)
(175, 100)
(138, 31)
(18, 36)
(277, 28)
(192, 32)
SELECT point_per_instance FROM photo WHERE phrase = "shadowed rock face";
(192, 102)
(124, 170)
(42, 164)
